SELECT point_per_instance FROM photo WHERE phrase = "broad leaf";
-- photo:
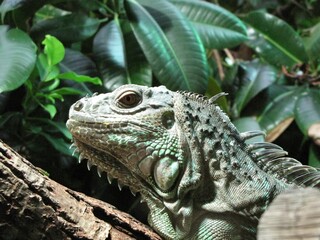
(314, 156)
(53, 49)
(257, 77)
(22, 11)
(217, 27)
(279, 113)
(312, 42)
(58, 126)
(17, 58)
(48, 11)
(51, 109)
(47, 72)
(70, 28)
(307, 110)
(170, 44)
(58, 143)
(9, 5)
(275, 40)
(119, 56)
(75, 61)
(245, 124)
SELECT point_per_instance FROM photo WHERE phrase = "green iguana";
(199, 177)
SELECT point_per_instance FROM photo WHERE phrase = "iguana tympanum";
(199, 177)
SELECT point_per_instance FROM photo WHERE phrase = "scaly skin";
(181, 152)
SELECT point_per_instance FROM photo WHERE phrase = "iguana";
(199, 177)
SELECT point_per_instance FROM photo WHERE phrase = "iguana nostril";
(78, 106)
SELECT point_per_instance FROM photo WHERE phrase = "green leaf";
(51, 109)
(58, 143)
(17, 58)
(74, 27)
(52, 73)
(314, 156)
(279, 113)
(51, 85)
(217, 27)
(26, 8)
(119, 56)
(10, 118)
(170, 44)
(8, 5)
(275, 40)
(42, 65)
(67, 91)
(48, 11)
(59, 126)
(245, 124)
(75, 61)
(307, 110)
(312, 42)
(257, 77)
(79, 78)
(53, 49)
(46, 72)
(53, 96)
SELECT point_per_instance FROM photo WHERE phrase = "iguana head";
(130, 134)
(133, 135)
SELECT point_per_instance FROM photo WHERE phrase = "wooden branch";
(293, 215)
(32, 206)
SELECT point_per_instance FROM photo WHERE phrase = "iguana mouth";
(106, 163)
(135, 166)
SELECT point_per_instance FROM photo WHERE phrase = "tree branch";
(293, 214)
(32, 206)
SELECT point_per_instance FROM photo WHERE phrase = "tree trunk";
(32, 206)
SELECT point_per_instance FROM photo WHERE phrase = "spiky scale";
(251, 134)
(99, 171)
(81, 157)
(216, 97)
(73, 145)
(132, 192)
(265, 145)
(270, 153)
(89, 165)
(76, 150)
(109, 178)
(120, 186)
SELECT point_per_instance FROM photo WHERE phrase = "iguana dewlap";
(199, 177)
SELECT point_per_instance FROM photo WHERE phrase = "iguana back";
(199, 177)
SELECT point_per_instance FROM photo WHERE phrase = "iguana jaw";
(108, 164)
(118, 161)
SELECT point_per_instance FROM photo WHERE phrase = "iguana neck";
(213, 149)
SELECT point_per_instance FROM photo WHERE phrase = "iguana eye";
(128, 99)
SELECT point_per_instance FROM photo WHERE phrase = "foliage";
(265, 54)
(41, 78)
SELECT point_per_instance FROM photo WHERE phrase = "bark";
(294, 214)
(32, 206)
